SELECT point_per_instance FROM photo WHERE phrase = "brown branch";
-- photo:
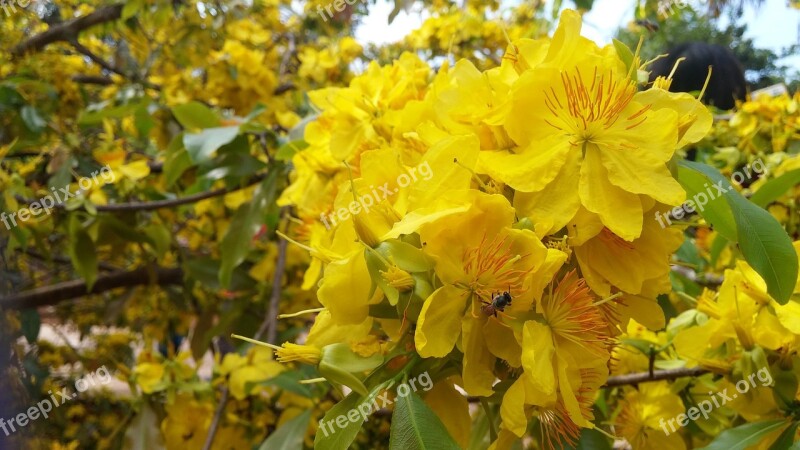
(54, 294)
(644, 377)
(69, 30)
(96, 59)
(158, 204)
(93, 79)
(110, 67)
(285, 87)
(270, 324)
(212, 431)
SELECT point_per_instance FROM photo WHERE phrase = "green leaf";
(775, 188)
(244, 225)
(786, 440)
(624, 53)
(762, 240)
(287, 151)
(31, 324)
(342, 357)
(176, 161)
(288, 436)
(333, 437)
(98, 112)
(32, 119)
(195, 115)
(591, 440)
(416, 427)
(143, 432)
(82, 252)
(131, 8)
(160, 238)
(201, 146)
(717, 211)
(288, 381)
(746, 435)
(767, 248)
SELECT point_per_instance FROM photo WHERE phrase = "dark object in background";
(727, 82)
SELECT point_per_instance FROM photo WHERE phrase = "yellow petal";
(619, 210)
(512, 409)
(537, 356)
(452, 408)
(557, 202)
(346, 276)
(542, 158)
(135, 170)
(440, 322)
(478, 360)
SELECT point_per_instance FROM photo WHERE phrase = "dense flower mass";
(544, 170)
(479, 237)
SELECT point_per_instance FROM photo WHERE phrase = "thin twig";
(270, 323)
(658, 375)
(212, 431)
(269, 326)
(158, 204)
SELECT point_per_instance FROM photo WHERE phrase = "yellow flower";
(643, 421)
(256, 365)
(579, 123)
(478, 254)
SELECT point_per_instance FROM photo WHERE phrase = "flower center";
(492, 267)
(584, 110)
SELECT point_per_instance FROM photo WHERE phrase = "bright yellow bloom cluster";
(454, 203)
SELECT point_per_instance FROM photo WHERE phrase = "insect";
(499, 303)
(648, 24)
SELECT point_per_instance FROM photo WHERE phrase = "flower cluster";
(545, 169)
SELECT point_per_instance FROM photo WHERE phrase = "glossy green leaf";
(775, 188)
(416, 427)
(624, 53)
(331, 436)
(32, 119)
(717, 211)
(767, 248)
(177, 160)
(82, 253)
(591, 440)
(201, 146)
(288, 436)
(746, 435)
(195, 115)
(31, 324)
(786, 440)
(762, 240)
(246, 222)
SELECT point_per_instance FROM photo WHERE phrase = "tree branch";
(69, 30)
(158, 204)
(270, 324)
(54, 294)
(644, 377)
(93, 79)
